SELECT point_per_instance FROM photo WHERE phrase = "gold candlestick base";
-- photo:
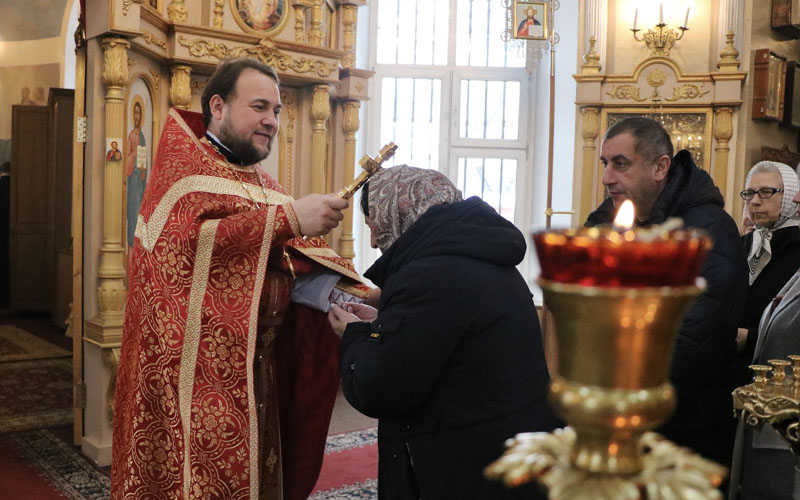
(668, 472)
(611, 404)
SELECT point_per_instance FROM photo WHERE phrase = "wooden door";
(31, 231)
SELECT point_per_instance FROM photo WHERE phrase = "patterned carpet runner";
(35, 394)
(16, 345)
(36, 465)
(350, 467)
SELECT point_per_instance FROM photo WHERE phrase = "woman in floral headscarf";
(773, 248)
(451, 362)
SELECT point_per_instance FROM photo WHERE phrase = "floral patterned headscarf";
(761, 250)
(399, 195)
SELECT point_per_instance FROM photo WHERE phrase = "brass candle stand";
(773, 399)
(612, 388)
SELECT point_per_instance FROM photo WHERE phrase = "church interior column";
(315, 30)
(350, 125)
(320, 111)
(107, 324)
(589, 130)
(723, 131)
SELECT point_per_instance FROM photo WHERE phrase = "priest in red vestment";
(228, 370)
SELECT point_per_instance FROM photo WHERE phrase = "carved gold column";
(180, 86)
(723, 131)
(219, 10)
(106, 326)
(320, 111)
(350, 126)
(300, 22)
(288, 115)
(177, 11)
(349, 16)
(315, 30)
(589, 130)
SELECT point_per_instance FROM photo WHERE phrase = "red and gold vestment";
(208, 290)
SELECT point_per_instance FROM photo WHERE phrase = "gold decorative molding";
(349, 17)
(126, 4)
(315, 34)
(156, 76)
(131, 63)
(728, 56)
(219, 11)
(177, 11)
(656, 78)
(625, 92)
(723, 131)
(265, 51)
(112, 360)
(180, 93)
(590, 128)
(151, 39)
(591, 65)
(687, 91)
(299, 23)
(289, 101)
(320, 111)
(350, 125)
(115, 61)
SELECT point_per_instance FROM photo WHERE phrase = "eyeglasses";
(763, 193)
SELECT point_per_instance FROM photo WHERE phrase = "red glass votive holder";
(633, 258)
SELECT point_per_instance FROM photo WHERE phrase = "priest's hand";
(317, 214)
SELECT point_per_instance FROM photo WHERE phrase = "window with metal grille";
(451, 94)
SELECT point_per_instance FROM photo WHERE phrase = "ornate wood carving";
(349, 16)
(219, 10)
(177, 12)
(180, 92)
(320, 111)
(265, 51)
(151, 39)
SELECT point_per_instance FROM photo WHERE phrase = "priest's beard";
(247, 153)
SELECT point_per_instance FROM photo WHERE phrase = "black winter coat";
(785, 260)
(703, 362)
(454, 363)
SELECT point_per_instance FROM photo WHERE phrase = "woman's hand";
(344, 313)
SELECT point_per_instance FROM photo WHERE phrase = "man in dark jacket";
(637, 155)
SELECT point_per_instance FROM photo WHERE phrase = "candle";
(623, 257)
(686, 21)
(636, 18)
(661, 13)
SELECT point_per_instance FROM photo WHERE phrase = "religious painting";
(138, 152)
(769, 81)
(791, 106)
(259, 16)
(530, 20)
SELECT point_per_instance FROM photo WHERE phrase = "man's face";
(249, 121)
(630, 176)
(114, 145)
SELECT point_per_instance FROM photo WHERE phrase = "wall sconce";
(660, 39)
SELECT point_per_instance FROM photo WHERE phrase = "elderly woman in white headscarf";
(451, 362)
(773, 248)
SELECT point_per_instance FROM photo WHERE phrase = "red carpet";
(21, 480)
(35, 394)
(350, 467)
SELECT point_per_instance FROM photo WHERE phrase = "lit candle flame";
(624, 219)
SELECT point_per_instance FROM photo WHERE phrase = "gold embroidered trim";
(148, 232)
(291, 215)
(352, 289)
(252, 334)
(191, 342)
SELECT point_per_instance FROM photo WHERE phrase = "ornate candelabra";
(773, 399)
(660, 39)
(619, 295)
